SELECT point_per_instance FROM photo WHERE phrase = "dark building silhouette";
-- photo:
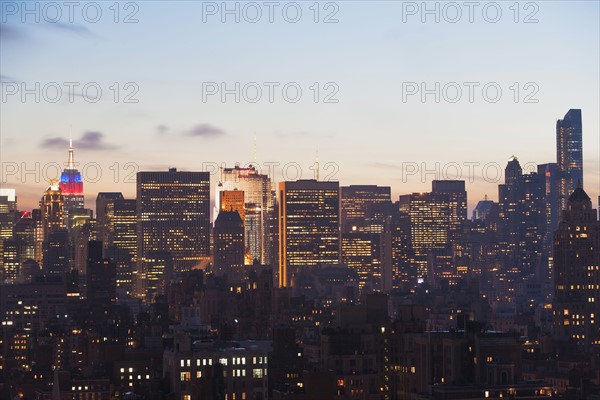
(522, 214)
(229, 247)
(100, 276)
(57, 252)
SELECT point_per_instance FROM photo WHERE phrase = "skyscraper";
(159, 270)
(24, 235)
(429, 229)
(229, 246)
(456, 195)
(309, 226)
(436, 219)
(522, 219)
(363, 252)
(105, 204)
(8, 209)
(173, 215)
(71, 185)
(52, 206)
(124, 226)
(232, 200)
(100, 276)
(356, 198)
(576, 304)
(259, 213)
(569, 154)
(122, 246)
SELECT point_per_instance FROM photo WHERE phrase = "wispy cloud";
(382, 165)
(205, 130)
(90, 140)
(70, 28)
(162, 129)
(11, 34)
(6, 78)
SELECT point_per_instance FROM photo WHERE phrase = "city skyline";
(299, 200)
(370, 65)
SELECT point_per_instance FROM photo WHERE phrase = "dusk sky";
(370, 55)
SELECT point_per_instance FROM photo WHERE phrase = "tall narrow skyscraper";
(173, 215)
(309, 226)
(569, 154)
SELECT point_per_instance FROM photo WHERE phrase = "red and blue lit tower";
(71, 185)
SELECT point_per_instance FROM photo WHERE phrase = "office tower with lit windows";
(576, 304)
(159, 271)
(122, 245)
(569, 154)
(229, 247)
(454, 192)
(124, 226)
(259, 215)
(8, 210)
(71, 185)
(355, 199)
(232, 200)
(10, 261)
(433, 218)
(105, 204)
(173, 215)
(24, 235)
(52, 209)
(364, 253)
(393, 226)
(309, 226)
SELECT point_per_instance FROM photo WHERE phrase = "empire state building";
(71, 185)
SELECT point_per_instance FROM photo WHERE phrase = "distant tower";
(569, 154)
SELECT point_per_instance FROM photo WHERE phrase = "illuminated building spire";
(71, 164)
